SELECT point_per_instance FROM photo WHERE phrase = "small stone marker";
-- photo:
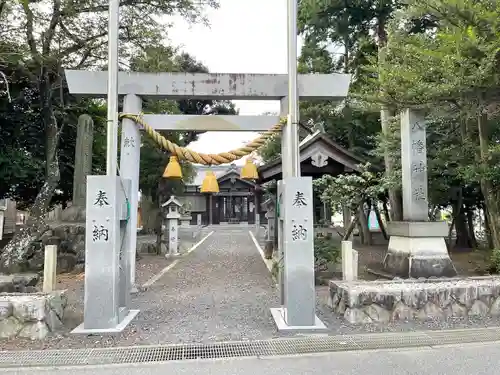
(354, 264)
(49, 268)
(349, 265)
(414, 166)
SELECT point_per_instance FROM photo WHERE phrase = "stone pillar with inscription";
(298, 312)
(130, 159)
(83, 158)
(83, 167)
(416, 247)
(286, 158)
(105, 308)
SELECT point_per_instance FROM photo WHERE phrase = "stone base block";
(361, 302)
(81, 330)
(417, 228)
(32, 316)
(278, 316)
(410, 254)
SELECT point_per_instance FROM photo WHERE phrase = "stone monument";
(83, 167)
(416, 247)
(295, 196)
(107, 282)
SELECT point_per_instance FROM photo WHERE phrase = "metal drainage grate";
(260, 348)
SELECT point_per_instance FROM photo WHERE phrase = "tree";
(22, 158)
(66, 34)
(354, 191)
(452, 71)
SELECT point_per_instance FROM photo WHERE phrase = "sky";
(252, 35)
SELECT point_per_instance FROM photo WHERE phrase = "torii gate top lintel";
(209, 86)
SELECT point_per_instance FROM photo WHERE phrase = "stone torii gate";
(109, 276)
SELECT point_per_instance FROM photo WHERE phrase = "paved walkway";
(220, 291)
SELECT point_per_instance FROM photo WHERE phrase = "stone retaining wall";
(71, 248)
(31, 316)
(70, 252)
(362, 302)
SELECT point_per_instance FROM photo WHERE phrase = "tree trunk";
(346, 216)
(386, 211)
(395, 197)
(489, 191)
(149, 210)
(350, 228)
(462, 240)
(365, 231)
(470, 226)
(487, 231)
(159, 231)
(380, 222)
(15, 252)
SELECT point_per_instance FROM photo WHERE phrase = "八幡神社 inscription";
(418, 167)
(419, 194)
(418, 126)
(418, 147)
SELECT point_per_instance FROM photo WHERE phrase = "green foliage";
(39, 126)
(495, 261)
(22, 145)
(350, 189)
(271, 150)
(326, 251)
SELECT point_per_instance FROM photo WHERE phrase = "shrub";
(326, 250)
(495, 261)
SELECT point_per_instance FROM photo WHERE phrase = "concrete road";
(478, 359)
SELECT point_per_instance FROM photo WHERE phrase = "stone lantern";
(270, 207)
(172, 207)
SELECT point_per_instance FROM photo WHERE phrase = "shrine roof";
(312, 144)
(221, 172)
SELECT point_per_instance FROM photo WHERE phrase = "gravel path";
(220, 291)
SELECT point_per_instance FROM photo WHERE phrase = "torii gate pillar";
(175, 86)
